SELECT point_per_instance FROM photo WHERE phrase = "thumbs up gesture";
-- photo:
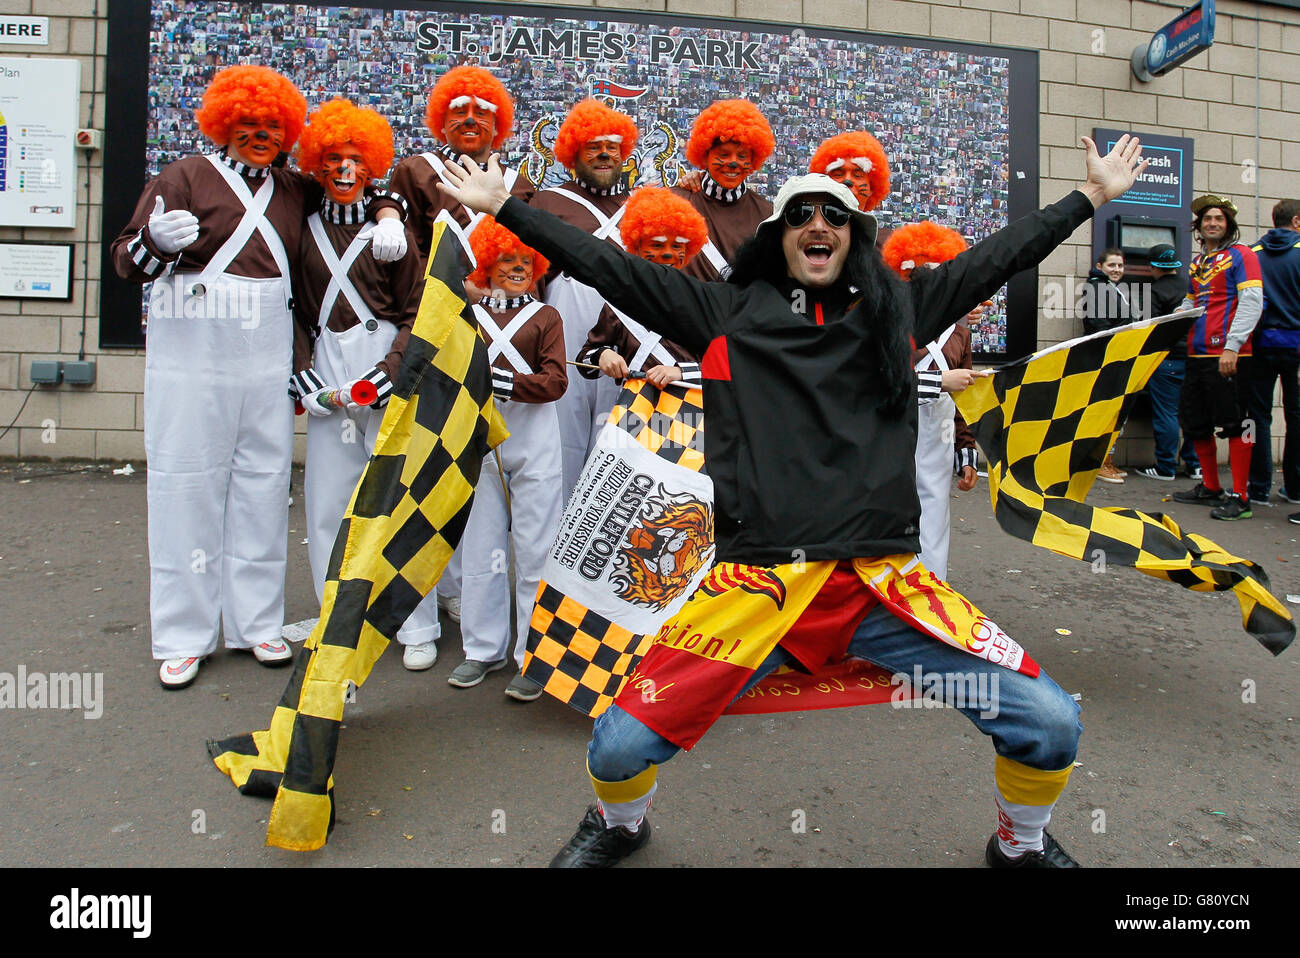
(172, 231)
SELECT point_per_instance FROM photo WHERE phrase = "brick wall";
(1085, 82)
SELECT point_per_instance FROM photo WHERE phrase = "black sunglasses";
(797, 214)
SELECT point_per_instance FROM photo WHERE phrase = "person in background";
(1225, 281)
(1168, 291)
(1277, 341)
(1105, 305)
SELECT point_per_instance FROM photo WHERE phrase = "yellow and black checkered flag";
(1046, 423)
(577, 651)
(405, 519)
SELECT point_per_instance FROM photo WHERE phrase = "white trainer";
(417, 658)
(273, 653)
(451, 605)
(178, 673)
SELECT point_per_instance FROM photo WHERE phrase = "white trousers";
(934, 459)
(338, 447)
(218, 434)
(530, 460)
(586, 403)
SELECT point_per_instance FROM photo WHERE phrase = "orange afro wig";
(653, 211)
(341, 121)
(590, 120)
(848, 146)
(731, 120)
(259, 92)
(918, 244)
(469, 81)
(490, 241)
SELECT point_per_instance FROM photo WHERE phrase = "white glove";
(172, 231)
(347, 391)
(388, 242)
(315, 408)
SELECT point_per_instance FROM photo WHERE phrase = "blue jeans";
(1036, 723)
(1268, 365)
(1164, 387)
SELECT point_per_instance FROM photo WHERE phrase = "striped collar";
(343, 215)
(614, 190)
(451, 156)
(243, 169)
(712, 188)
(499, 304)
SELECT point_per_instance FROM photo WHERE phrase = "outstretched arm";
(672, 304)
(944, 294)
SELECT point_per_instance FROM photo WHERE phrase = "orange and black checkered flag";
(1046, 423)
(635, 540)
(405, 519)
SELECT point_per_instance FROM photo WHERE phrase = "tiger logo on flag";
(670, 544)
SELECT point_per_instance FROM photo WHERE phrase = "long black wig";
(882, 306)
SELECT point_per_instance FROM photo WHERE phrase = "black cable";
(19, 412)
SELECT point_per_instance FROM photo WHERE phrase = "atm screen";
(1145, 235)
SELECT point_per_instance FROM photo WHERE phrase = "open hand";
(483, 191)
(1112, 175)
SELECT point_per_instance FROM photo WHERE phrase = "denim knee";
(1046, 735)
(622, 747)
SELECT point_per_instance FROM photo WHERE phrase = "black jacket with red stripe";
(804, 465)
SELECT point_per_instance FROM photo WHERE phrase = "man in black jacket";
(812, 427)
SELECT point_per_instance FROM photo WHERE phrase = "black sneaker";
(1294, 517)
(595, 846)
(1200, 495)
(1234, 507)
(1052, 856)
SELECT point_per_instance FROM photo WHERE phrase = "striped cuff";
(929, 386)
(503, 383)
(381, 199)
(966, 457)
(383, 385)
(305, 383)
(691, 373)
(151, 265)
(591, 357)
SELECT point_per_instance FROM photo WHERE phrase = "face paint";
(600, 162)
(669, 251)
(854, 176)
(255, 142)
(512, 274)
(470, 126)
(343, 173)
(729, 163)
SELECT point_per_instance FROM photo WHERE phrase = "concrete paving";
(1189, 756)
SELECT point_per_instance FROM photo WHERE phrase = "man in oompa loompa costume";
(593, 143)
(218, 236)
(354, 317)
(730, 141)
(472, 114)
(944, 444)
(821, 401)
(661, 228)
(517, 504)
